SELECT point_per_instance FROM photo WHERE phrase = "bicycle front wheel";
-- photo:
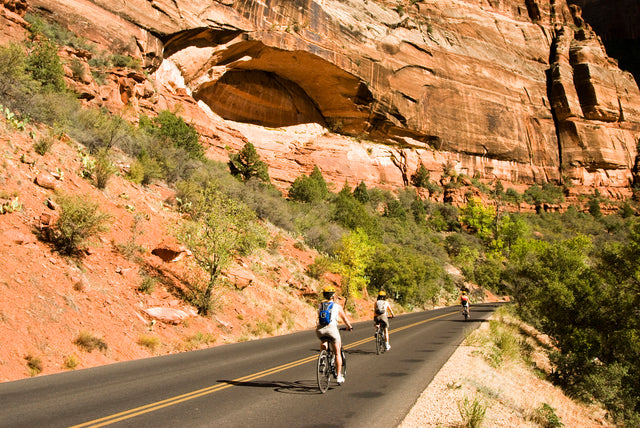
(378, 342)
(323, 371)
(344, 363)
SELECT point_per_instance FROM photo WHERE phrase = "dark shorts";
(382, 319)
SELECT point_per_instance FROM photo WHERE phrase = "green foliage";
(309, 189)
(361, 194)
(43, 145)
(89, 342)
(44, 65)
(350, 213)
(546, 417)
(410, 278)
(170, 127)
(548, 193)
(79, 221)
(422, 177)
(353, 257)
(319, 267)
(222, 229)
(472, 412)
(148, 341)
(247, 164)
(478, 218)
(104, 169)
(34, 364)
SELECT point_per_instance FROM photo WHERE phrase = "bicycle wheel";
(323, 371)
(379, 346)
(344, 363)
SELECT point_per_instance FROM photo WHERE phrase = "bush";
(247, 164)
(43, 145)
(71, 362)
(43, 63)
(104, 169)
(309, 189)
(169, 126)
(149, 342)
(472, 412)
(79, 221)
(89, 342)
(34, 364)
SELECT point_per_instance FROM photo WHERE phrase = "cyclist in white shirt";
(381, 312)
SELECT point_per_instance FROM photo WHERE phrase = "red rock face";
(518, 90)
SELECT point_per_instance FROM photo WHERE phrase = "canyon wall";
(517, 90)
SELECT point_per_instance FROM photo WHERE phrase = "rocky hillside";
(518, 90)
(521, 91)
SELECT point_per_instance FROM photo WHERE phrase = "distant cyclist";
(464, 301)
(381, 312)
(329, 312)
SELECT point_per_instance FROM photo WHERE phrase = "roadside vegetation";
(572, 274)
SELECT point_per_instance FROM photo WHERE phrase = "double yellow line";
(111, 419)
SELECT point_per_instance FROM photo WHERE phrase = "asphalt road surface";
(261, 383)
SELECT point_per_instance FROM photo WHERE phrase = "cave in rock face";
(259, 97)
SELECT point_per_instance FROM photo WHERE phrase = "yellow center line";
(117, 417)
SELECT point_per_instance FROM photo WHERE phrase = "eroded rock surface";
(519, 90)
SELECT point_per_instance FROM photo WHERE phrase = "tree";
(226, 229)
(478, 218)
(361, 194)
(172, 127)
(45, 67)
(353, 256)
(421, 178)
(247, 164)
(309, 189)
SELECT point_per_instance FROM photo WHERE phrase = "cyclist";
(464, 301)
(330, 330)
(380, 310)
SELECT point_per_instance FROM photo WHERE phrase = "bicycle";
(326, 366)
(465, 312)
(380, 340)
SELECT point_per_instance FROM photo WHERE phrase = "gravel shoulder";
(512, 393)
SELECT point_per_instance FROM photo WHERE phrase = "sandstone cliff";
(518, 90)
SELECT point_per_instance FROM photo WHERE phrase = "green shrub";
(309, 189)
(71, 362)
(104, 169)
(79, 221)
(199, 339)
(472, 412)
(149, 342)
(319, 267)
(546, 417)
(89, 342)
(169, 126)
(34, 364)
(247, 164)
(44, 65)
(43, 145)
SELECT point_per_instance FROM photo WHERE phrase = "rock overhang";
(242, 78)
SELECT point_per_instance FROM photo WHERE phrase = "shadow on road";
(298, 387)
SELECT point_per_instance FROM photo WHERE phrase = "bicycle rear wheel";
(344, 363)
(379, 347)
(323, 371)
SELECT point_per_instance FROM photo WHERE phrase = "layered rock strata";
(516, 90)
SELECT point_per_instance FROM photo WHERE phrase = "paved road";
(262, 383)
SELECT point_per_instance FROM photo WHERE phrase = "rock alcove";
(244, 80)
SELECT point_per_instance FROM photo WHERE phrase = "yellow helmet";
(382, 293)
(328, 291)
(464, 292)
